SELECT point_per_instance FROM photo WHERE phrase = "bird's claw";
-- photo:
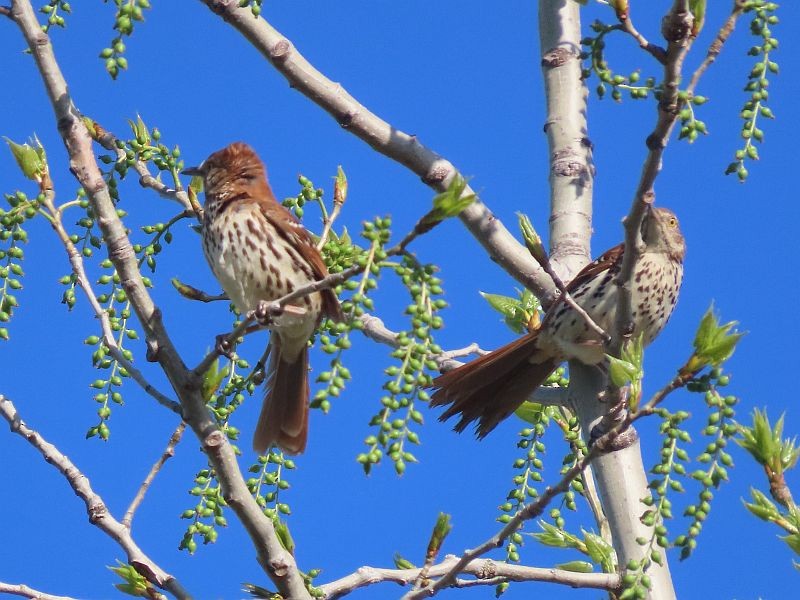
(224, 346)
(265, 312)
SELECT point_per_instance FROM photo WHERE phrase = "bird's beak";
(194, 171)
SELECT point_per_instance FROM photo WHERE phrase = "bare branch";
(626, 24)
(168, 453)
(716, 46)
(20, 589)
(536, 250)
(99, 515)
(339, 198)
(435, 171)
(6, 12)
(487, 572)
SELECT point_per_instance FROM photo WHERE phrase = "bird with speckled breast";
(489, 389)
(259, 252)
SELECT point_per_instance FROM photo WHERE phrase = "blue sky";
(465, 78)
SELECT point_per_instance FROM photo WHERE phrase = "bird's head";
(234, 169)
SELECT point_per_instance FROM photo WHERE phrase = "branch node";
(436, 175)
(280, 51)
(214, 440)
(151, 354)
(487, 571)
(556, 57)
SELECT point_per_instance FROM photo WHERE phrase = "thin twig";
(486, 571)
(339, 197)
(76, 261)
(676, 29)
(6, 12)
(20, 589)
(146, 179)
(716, 46)
(168, 453)
(99, 514)
(626, 25)
(548, 268)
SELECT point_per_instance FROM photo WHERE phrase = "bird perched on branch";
(489, 389)
(259, 252)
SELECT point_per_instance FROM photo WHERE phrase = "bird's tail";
(284, 416)
(492, 387)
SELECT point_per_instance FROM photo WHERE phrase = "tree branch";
(168, 453)
(716, 46)
(99, 515)
(274, 559)
(435, 171)
(676, 29)
(487, 572)
(571, 164)
(626, 24)
(20, 589)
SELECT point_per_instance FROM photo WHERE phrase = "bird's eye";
(673, 222)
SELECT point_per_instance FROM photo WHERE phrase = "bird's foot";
(224, 346)
(266, 312)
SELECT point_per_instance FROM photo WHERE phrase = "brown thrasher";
(259, 252)
(492, 387)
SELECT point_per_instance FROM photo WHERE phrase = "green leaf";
(713, 343)
(793, 541)
(698, 8)
(505, 305)
(284, 536)
(135, 584)
(532, 239)
(766, 445)
(340, 186)
(139, 129)
(196, 184)
(32, 160)
(621, 371)
(213, 379)
(530, 412)
(576, 566)
(440, 531)
(555, 537)
(447, 204)
(402, 563)
(762, 507)
(599, 551)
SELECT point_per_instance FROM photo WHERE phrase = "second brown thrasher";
(489, 389)
(259, 252)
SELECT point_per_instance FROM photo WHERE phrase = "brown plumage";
(259, 251)
(489, 389)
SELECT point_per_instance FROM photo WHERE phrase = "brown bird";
(259, 251)
(489, 389)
